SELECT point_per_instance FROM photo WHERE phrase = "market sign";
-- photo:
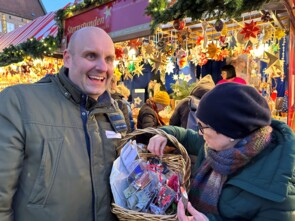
(123, 20)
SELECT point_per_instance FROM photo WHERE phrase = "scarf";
(153, 105)
(213, 172)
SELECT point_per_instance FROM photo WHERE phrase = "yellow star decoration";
(149, 49)
(272, 60)
(126, 73)
(138, 68)
(279, 33)
(278, 68)
(181, 76)
(137, 100)
(158, 60)
(212, 50)
(117, 73)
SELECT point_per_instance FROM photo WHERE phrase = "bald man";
(58, 138)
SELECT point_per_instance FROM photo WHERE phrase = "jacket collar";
(74, 93)
(270, 175)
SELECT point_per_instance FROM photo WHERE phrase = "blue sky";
(53, 5)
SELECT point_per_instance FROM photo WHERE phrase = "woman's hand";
(157, 145)
(196, 215)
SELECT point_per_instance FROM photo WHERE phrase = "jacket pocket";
(47, 171)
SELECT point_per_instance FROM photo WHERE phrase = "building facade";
(16, 13)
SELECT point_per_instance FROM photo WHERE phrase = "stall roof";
(38, 28)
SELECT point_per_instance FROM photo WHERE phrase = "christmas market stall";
(187, 40)
(29, 52)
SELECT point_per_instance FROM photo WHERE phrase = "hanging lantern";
(178, 24)
(218, 25)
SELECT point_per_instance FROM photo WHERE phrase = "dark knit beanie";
(234, 110)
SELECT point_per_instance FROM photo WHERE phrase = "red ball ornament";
(178, 25)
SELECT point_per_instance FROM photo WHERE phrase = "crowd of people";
(59, 137)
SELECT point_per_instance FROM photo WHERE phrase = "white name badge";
(112, 134)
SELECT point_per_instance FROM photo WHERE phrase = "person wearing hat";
(245, 160)
(149, 113)
(184, 112)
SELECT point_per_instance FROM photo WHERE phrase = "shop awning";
(39, 28)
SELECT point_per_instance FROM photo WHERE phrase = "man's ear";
(67, 58)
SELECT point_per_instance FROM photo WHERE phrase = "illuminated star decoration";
(278, 68)
(138, 68)
(212, 50)
(170, 67)
(128, 75)
(107, 13)
(119, 52)
(272, 60)
(279, 33)
(135, 43)
(175, 77)
(137, 100)
(181, 76)
(250, 30)
(149, 49)
(158, 61)
(187, 77)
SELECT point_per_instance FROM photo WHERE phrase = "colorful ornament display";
(250, 30)
(119, 53)
(178, 24)
(272, 60)
(135, 43)
(212, 50)
(279, 33)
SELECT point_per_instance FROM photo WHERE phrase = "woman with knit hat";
(149, 113)
(246, 160)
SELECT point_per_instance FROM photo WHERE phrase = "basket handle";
(186, 171)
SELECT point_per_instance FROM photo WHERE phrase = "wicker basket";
(176, 162)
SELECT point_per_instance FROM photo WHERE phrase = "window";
(10, 27)
(1, 29)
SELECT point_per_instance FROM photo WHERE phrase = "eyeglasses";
(201, 128)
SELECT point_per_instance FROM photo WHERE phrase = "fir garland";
(159, 10)
(32, 47)
(162, 13)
